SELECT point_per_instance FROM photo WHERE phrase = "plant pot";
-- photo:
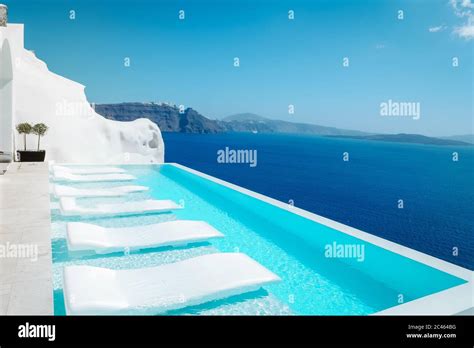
(31, 156)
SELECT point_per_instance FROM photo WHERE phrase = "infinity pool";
(315, 281)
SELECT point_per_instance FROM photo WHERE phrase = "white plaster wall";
(77, 133)
(6, 98)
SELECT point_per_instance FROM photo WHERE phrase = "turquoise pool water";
(293, 247)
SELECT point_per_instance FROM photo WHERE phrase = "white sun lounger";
(94, 290)
(91, 170)
(67, 191)
(65, 176)
(69, 207)
(88, 237)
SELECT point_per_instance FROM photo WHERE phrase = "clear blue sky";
(283, 62)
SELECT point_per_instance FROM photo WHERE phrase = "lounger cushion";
(67, 191)
(90, 170)
(65, 176)
(88, 237)
(69, 207)
(92, 290)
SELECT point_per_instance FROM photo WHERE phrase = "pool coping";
(446, 302)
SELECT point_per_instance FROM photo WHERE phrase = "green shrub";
(24, 128)
(39, 129)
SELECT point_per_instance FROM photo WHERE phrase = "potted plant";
(25, 155)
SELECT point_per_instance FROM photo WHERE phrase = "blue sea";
(363, 192)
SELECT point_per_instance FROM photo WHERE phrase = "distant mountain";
(467, 138)
(246, 117)
(255, 123)
(277, 126)
(408, 138)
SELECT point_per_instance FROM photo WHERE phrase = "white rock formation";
(29, 92)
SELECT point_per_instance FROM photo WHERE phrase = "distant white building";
(29, 92)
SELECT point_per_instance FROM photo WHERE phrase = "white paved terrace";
(25, 283)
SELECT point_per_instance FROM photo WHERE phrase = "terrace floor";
(25, 283)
